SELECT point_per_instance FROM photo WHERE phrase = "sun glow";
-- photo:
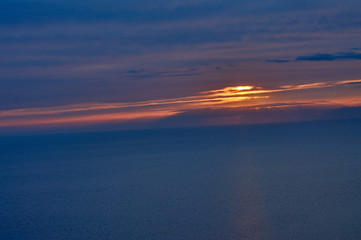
(243, 97)
(241, 88)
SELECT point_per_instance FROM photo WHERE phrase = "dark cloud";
(244, 116)
(25, 12)
(349, 55)
(139, 11)
(330, 57)
(345, 113)
(278, 60)
(322, 57)
(316, 57)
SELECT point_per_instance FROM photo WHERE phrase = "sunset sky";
(145, 64)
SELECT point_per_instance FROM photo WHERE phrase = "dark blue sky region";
(60, 53)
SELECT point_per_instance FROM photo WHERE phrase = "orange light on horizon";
(242, 96)
(89, 118)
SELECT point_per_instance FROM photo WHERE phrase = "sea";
(274, 181)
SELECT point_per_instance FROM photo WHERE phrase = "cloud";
(58, 52)
(243, 98)
(316, 57)
(353, 55)
(278, 60)
(301, 112)
(330, 57)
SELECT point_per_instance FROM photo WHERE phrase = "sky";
(145, 64)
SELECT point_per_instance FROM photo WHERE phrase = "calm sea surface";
(282, 181)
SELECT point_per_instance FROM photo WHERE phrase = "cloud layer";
(240, 98)
(72, 53)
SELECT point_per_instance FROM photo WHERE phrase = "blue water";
(280, 181)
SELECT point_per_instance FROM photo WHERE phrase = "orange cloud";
(89, 118)
(229, 97)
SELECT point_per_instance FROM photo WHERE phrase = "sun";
(242, 88)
